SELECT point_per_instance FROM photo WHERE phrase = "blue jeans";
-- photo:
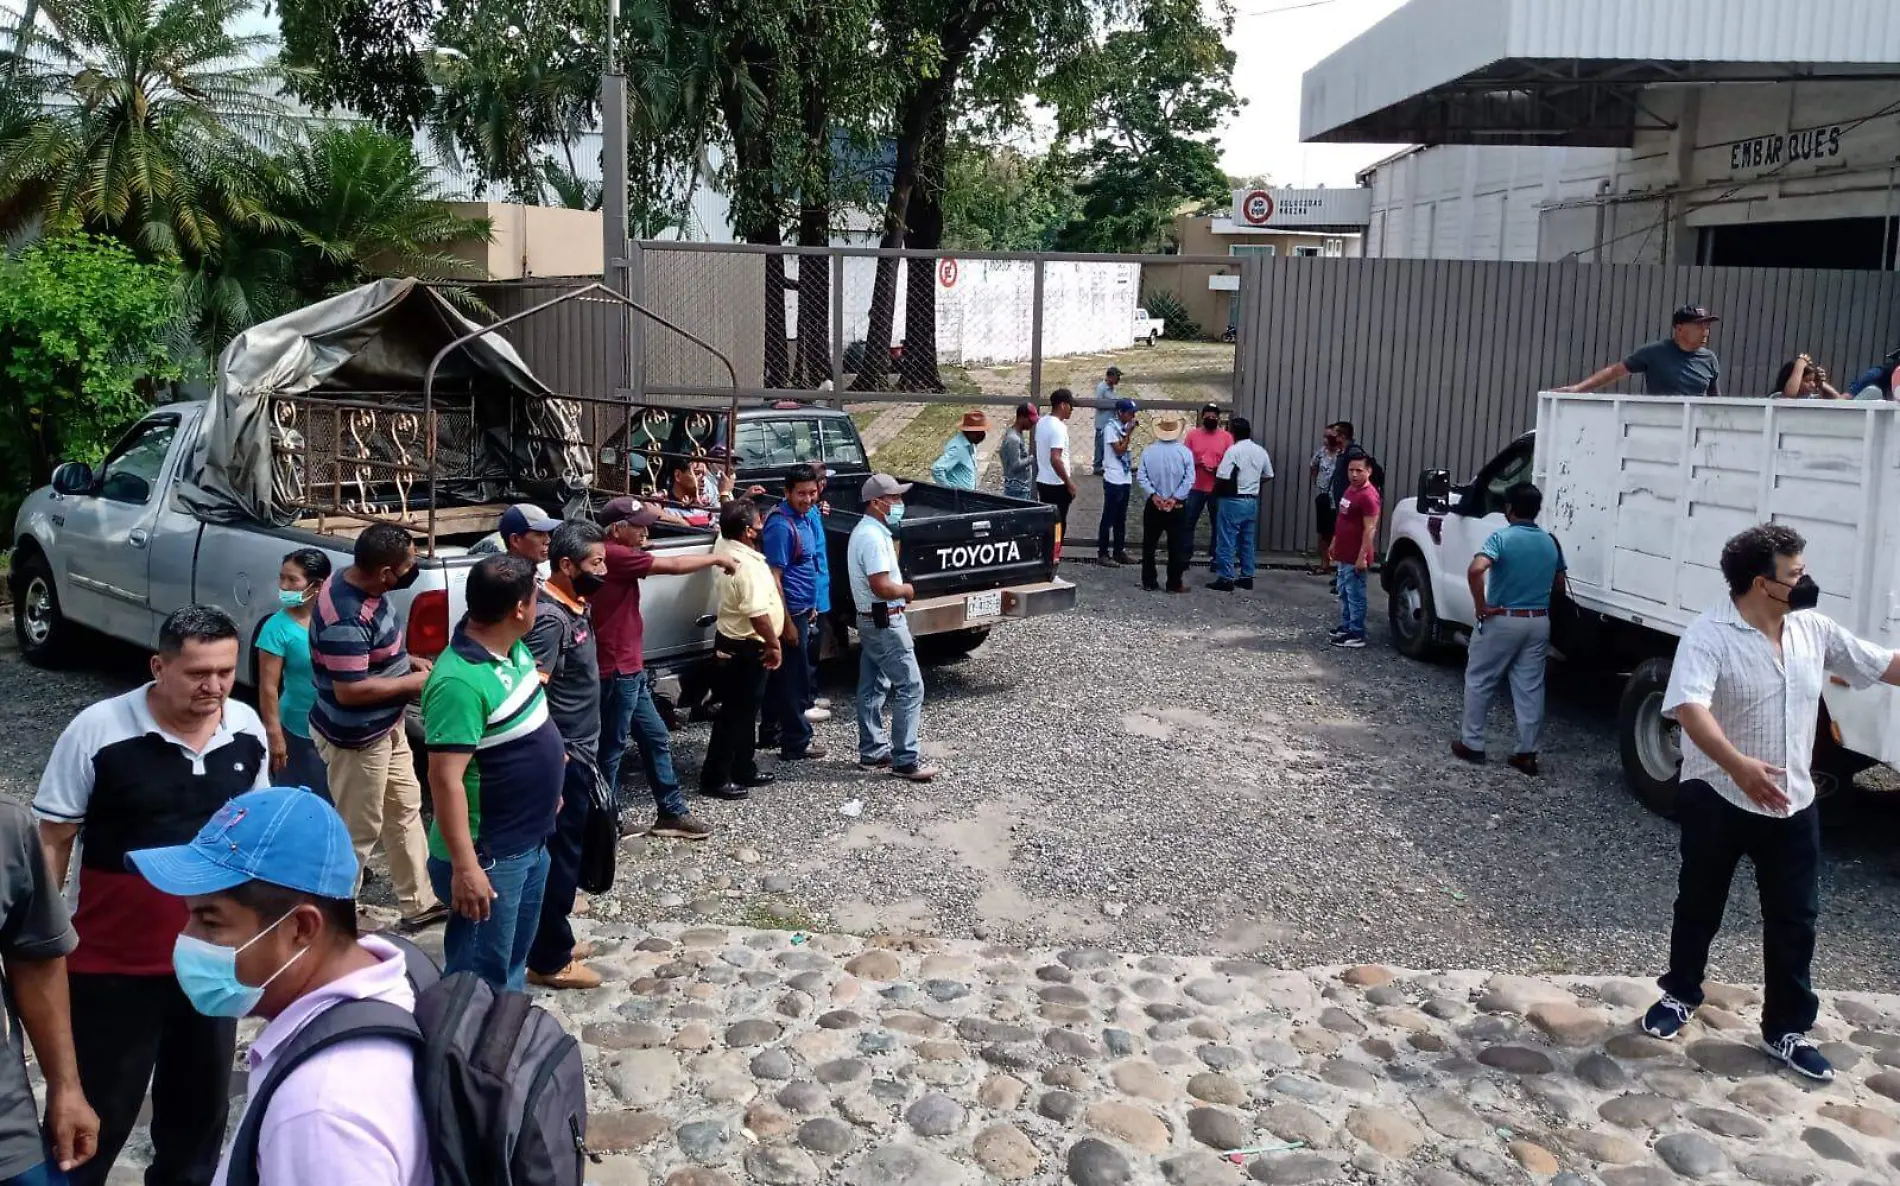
(1235, 521)
(1197, 501)
(46, 1173)
(304, 769)
(887, 668)
(788, 692)
(627, 714)
(1111, 538)
(1352, 599)
(496, 950)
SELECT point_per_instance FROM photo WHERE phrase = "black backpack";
(503, 1092)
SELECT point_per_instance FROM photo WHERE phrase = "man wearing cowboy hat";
(1166, 473)
(957, 466)
(1118, 475)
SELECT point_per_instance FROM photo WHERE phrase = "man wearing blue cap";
(524, 531)
(272, 933)
(1118, 481)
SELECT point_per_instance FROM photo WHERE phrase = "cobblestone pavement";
(726, 1055)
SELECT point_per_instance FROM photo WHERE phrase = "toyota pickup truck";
(1641, 492)
(977, 559)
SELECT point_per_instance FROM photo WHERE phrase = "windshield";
(775, 444)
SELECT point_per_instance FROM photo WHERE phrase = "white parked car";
(1148, 329)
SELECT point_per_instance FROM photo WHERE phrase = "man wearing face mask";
(887, 656)
(496, 767)
(365, 677)
(1208, 443)
(144, 769)
(747, 647)
(1746, 688)
(562, 643)
(272, 934)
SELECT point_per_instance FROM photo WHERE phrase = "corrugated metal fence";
(1438, 362)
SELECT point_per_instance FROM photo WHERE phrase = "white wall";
(1474, 201)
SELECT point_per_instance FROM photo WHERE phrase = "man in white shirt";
(1118, 479)
(887, 656)
(1237, 482)
(1746, 688)
(1054, 485)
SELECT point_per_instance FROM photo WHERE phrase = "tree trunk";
(813, 365)
(925, 233)
(878, 333)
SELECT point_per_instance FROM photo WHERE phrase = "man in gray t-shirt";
(36, 933)
(1680, 364)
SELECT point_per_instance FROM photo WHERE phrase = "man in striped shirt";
(496, 766)
(365, 677)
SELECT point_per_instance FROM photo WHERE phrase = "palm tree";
(361, 204)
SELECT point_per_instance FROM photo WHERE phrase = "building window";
(1254, 249)
(1306, 252)
(1335, 248)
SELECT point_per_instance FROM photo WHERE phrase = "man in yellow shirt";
(746, 645)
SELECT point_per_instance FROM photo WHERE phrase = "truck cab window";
(131, 470)
(841, 443)
(1513, 471)
(776, 443)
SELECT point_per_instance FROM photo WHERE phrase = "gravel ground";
(1198, 775)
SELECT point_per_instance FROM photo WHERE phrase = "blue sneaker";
(1801, 1056)
(1666, 1018)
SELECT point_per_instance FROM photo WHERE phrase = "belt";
(895, 611)
(1527, 613)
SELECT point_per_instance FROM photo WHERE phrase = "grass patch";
(909, 453)
(774, 914)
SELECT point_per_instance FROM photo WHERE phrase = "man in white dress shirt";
(1746, 688)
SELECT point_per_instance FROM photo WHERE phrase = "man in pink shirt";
(1208, 443)
(272, 933)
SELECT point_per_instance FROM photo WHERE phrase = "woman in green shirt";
(286, 687)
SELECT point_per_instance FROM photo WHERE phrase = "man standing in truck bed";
(1680, 364)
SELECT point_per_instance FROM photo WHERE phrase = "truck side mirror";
(72, 477)
(1434, 492)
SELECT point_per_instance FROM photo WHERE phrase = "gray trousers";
(1514, 647)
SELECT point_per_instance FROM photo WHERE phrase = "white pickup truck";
(1641, 492)
(1149, 329)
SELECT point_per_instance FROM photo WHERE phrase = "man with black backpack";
(269, 884)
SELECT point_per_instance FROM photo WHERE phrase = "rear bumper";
(939, 615)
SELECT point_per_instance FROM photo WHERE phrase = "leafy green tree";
(365, 56)
(999, 199)
(84, 333)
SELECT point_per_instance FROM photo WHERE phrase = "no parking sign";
(947, 273)
(1256, 208)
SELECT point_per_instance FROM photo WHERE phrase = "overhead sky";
(1275, 41)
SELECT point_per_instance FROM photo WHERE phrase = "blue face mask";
(291, 598)
(208, 975)
(895, 515)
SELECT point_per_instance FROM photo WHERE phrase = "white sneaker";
(817, 714)
(822, 701)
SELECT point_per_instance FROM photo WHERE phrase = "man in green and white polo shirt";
(495, 771)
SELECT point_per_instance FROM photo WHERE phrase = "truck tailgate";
(948, 554)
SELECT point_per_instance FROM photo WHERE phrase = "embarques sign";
(1762, 152)
(972, 555)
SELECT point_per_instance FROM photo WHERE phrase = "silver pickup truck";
(115, 550)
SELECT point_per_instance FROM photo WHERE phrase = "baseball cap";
(626, 509)
(524, 517)
(1026, 409)
(882, 486)
(285, 836)
(1124, 405)
(1692, 314)
(1206, 408)
(1115, 371)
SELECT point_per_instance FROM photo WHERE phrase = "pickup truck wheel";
(1651, 743)
(1153, 337)
(42, 630)
(951, 645)
(1409, 608)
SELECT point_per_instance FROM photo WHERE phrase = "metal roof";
(1573, 71)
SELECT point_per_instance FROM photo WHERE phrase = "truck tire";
(1153, 337)
(1410, 611)
(1652, 755)
(951, 645)
(42, 630)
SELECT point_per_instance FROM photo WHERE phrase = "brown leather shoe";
(1527, 763)
(1465, 753)
(576, 975)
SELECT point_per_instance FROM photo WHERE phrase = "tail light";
(429, 623)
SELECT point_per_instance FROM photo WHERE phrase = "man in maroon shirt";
(1208, 443)
(1355, 536)
(626, 697)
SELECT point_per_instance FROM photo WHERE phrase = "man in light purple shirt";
(272, 933)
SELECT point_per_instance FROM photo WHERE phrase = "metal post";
(1035, 335)
(837, 330)
(625, 330)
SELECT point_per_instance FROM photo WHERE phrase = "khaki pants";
(377, 795)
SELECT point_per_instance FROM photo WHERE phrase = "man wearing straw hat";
(957, 465)
(1166, 473)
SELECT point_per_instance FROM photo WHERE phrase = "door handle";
(137, 537)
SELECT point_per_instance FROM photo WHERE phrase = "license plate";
(983, 605)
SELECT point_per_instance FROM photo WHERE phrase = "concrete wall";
(1205, 236)
(534, 241)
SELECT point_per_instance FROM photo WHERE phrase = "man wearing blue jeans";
(1355, 533)
(627, 712)
(1237, 481)
(791, 546)
(496, 769)
(887, 664)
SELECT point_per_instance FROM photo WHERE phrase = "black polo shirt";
(129, 784)
(562, 642)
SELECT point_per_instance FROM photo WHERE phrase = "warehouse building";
(1745, 133)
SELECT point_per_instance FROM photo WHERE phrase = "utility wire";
(1287, 8)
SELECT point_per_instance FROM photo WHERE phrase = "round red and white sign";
(947, 273)
(1257, 207)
